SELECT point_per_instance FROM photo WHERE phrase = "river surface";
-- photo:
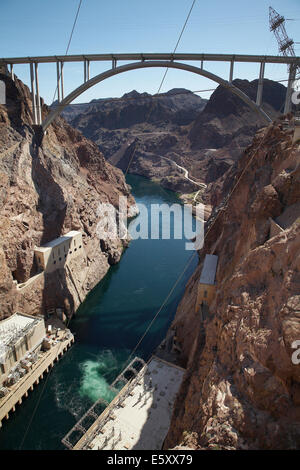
(107, 326)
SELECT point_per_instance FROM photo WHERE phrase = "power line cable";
(161, 84)
(69, 43)
(177, 44)
(195, 254)
(49, 373)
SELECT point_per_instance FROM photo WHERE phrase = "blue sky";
(42, 27)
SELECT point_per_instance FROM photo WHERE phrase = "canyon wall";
(47, 189)
(242, 389)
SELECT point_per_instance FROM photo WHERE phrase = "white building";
(20, 335)
(55, 254)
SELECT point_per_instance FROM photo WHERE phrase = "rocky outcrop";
(242, 389)
(46, 191)
(228, 122)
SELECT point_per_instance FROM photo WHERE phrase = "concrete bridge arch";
(146, 64)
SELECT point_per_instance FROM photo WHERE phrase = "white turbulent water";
(94, 383)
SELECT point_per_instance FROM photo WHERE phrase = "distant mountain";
(205, 137)
(227, 120)
(178, 106)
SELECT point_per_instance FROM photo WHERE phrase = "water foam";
(98, 374)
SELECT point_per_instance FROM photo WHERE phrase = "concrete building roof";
(14, 325)
(42, 249)
(143, 421)
(209, 269)
(59, 240)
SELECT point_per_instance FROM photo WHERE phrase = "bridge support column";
(231, 71)
(114, 63)
(86, 70)
(288, 96)
(86, 65)
(38, 99)
(58, 83)
(62, 80)
(34, 113)
(12, 72)
(260, 84)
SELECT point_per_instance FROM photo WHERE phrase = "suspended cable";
(47, 378)
(178, 41)
(69, 43)
(161, 84)
(196, 253)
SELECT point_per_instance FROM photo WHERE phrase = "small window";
(70, 252)
(54, 262)
(65, 256)
(75, 249)
(79, 246)
(205, 293)
(59, 259)
(2, 368)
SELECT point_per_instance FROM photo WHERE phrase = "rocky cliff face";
(241, 389)
(205, 138)
(46, 191)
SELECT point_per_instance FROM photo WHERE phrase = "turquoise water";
(107, 326)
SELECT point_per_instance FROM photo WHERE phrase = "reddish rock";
(241, 389)
(46, 191)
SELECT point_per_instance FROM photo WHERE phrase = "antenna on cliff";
(277, 25)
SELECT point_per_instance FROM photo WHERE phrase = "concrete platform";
(142, 421)
(20, 389)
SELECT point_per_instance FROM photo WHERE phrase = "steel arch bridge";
(176, 61)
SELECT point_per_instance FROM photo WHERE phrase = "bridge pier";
(86, 65)
(231, 71)
(288, 96)
(57, 78)
(38, 99)
(12, 72)
(34, 113)
(35, 94)
(260, 84)
(62, 80)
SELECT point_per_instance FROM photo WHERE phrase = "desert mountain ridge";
(204, 137)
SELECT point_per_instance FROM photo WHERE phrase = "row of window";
(66, 250)
(70, 252)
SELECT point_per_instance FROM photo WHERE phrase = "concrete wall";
(275, 229)
(205, 294)
(50, 258)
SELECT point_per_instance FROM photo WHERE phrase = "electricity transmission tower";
(285, 44)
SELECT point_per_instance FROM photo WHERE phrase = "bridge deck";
(153, 56)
